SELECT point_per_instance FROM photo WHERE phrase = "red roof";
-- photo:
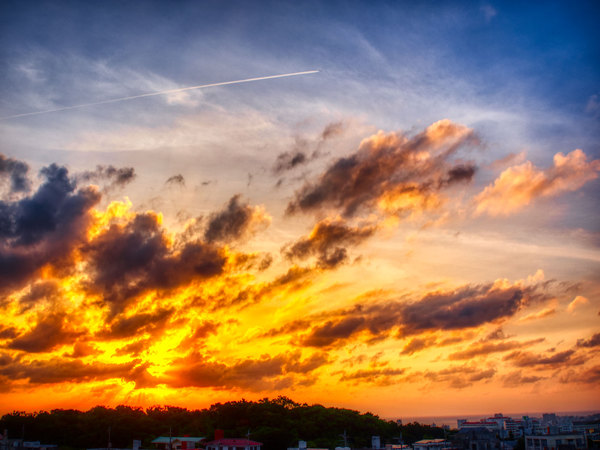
(233, 442)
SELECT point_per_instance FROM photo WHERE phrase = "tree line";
(278, 423)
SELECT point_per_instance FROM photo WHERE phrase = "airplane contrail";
(150, 94)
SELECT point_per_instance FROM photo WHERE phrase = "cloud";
(594, 341)
(486, 348)
(457, 377)
(327, 242)
(235, 221)
(517, 379)
(466, 307)
(557, 360)
(266, 372)
(539, 315)
(576, 303)
(519, 185)
(134, 348)
(117, 177)
(391, 172)
(50, 331)
(301, 153)
(589, 375)
(59, 370)
(417, 344)
(44, 227)
(127, 260)
(136, 325)
(82, 349)
(289, 160)
(16, 172)
(377, 376)
(176, 179)
(8, 332)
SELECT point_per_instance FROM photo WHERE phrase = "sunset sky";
(413, 230)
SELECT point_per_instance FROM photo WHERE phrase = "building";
(472, 438)
(431, 444)
(494, 426)
(177, 442)
(555, 442)
(233, 444)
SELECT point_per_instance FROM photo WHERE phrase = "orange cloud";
(577, 302)
(519, 185)
(391, 172)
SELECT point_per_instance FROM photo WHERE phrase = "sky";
(412, 230)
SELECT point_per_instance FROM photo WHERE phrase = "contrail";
(151, 94)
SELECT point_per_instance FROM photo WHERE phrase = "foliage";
(278, 423)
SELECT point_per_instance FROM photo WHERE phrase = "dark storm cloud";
(44, 227)
(327, 242)
(152, 323)
(265, 372)
(594, 341)
(231, 223)
(176, 179)
(15, 171)
(390, 168)
(116, 177)
(49, 332)
(463, 308)
(128, 260)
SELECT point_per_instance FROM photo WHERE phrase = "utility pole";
(109, 444)
(345, 436)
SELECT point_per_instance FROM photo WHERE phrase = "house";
(177, 442)
(431, 444)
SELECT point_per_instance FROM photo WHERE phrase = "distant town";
(281, 424)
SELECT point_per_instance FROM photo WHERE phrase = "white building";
(552, 442)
